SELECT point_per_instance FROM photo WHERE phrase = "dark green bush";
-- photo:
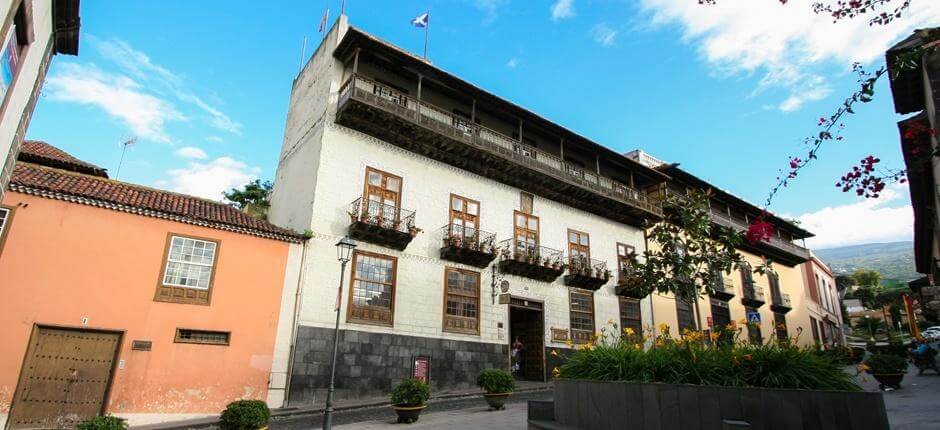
(495, 381)
(885, 363)
(103, 423)
(245, 415)
(843, 355)
(411, 392)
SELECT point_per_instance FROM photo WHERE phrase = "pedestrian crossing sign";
(753, 317)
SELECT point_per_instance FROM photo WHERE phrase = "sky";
(728, 91)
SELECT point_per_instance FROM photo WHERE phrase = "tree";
(866, 294)
(688, 253)
(252, 198)
(868, 325)
(866, 278)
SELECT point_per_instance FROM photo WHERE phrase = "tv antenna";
(124, 144)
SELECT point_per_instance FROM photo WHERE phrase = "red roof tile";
(39, 152)
(100, 191)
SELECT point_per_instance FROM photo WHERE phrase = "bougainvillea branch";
(842, 9)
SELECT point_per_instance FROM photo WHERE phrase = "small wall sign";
(141, 345)
(421, 368)
(559, 334)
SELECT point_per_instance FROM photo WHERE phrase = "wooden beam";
(563, 149)
(473, 111)
(420, 80)
(356, 61)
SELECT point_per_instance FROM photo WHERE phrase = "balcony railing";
(475, 135)
(780, 302)
(381, 224)
(535, 262)
(586, 273)
(467, 245)
(723, 288)
(724, 220)
(753, 295)
(628, 284)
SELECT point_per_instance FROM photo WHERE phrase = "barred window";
(185, 335)
(753, 329)
(462, 297)
(189, 263)
(6, 215)
(630, 315)
(780, 326)
(373, 290)
(683, 315)
(582, 315)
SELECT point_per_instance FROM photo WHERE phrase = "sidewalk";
(914, 406)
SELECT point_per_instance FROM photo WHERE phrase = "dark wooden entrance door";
(65, 377)
(527, 322)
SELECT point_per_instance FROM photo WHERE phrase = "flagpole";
(426, 28)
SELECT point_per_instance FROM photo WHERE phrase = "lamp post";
(344, 250)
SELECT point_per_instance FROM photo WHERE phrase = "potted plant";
(497, 385)
(103, 423)
(245, 415)
(409, 398)
(888, 369)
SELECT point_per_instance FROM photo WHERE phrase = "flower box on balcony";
(467, 245)
(586, 273)
(381, 224)
(533, 262)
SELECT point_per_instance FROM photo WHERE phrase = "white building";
(450, 174)
(32, 31)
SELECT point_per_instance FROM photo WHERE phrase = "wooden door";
(382, 195)
(526, 233)
(65, 377)
(464, 217)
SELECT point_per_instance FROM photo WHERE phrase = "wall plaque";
(559, 334)
(141, 345)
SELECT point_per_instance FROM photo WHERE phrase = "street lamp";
(344, 250)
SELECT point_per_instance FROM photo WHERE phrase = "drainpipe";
(646, 247)
(298, 305)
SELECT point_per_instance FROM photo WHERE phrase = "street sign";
(711, 322)
(753, 317)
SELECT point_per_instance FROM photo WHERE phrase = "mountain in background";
(894, 260)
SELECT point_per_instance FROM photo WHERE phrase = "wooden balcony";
(628, 285)
(777, 249)
(420, 127)
(753, 296)
(586, 273)
(467, 245)
(780, 302)
(381, 224)
(723, 290)
(538, 262)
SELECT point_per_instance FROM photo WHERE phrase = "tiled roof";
(29, 178)
(39, 152)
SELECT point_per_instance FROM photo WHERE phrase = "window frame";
(383, 187)
(691, 316)
(5, 227)
(583, 250)
(350, 319)
(638, 327)
(623, 260)
(177, 338)
(170, 293)
(516, 228)
(22, 46)
(463, 215)
(571, 313)
(445, 316)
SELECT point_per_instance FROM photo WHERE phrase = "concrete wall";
(16, 108)
(63, 262)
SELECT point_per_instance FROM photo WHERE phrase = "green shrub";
(495, 381)
(245, 415)
(103, 423)
(885, 363)
(843, 355)
(411, 392)
(690, 361)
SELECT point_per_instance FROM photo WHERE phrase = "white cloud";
(191, 152)
(209, 180)
(784, 42)
(603, 34)
(562, 9)
(119, 96)
(215, 139)
(490, 8)
(512, 63)
(866, 221)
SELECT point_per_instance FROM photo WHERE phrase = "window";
(461, 301)
(684, 315)
(814, 289)
(774, 281)
(526, 202)
(464, 217)
(579, 250)
(747, 276)
(780, 326)
(582, 315)
(6, 218)
(372, 295)
(630, 315)
(383, 196)
(526, 232)
(16, 39)
(753, 329)
(624, 253)
(721, 319)
(815, 330)
(185, 335)
(188, 270)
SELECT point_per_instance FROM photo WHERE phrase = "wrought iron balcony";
(776, 248)
(381, 224)
(467, 245)
(753, 296)
(723, 289)
(628, 284)
(534, 262)
(586, 273)
(780, 302)
(420, 127)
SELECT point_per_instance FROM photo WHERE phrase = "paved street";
(915, 405)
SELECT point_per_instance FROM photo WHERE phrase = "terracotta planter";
(496, 400)
(892, 380)
(408, 414)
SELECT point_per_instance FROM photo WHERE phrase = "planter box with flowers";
(382, 224)
(533, 262)
(467, 245)
(586, 273)
(616, 383)
(887, 369)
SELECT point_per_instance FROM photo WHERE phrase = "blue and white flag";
(421, 20)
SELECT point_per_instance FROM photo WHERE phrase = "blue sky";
(728, 91)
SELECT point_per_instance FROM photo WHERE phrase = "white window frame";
(5, 221)
(211, 265)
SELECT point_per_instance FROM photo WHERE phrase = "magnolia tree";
(688, 254)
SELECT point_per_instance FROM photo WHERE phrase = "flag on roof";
(421, 20)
